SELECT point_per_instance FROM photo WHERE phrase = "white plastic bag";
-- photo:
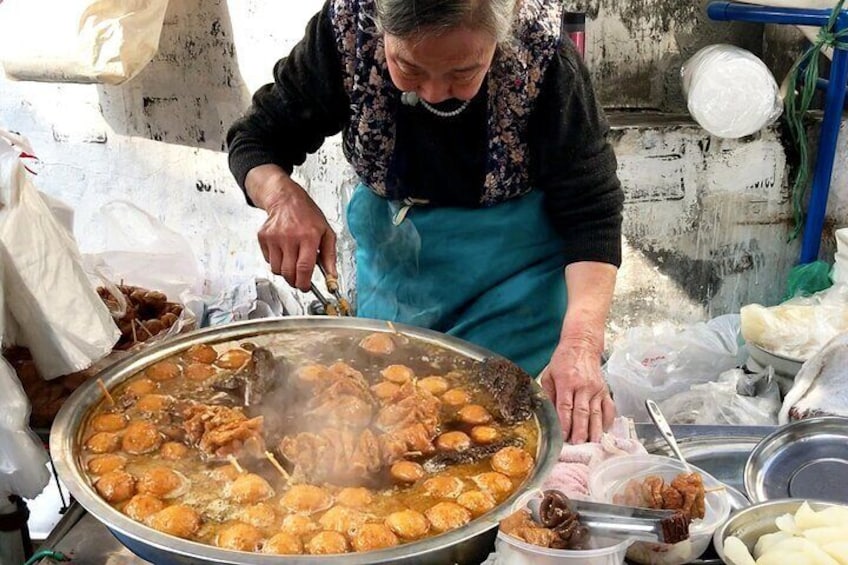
(730, 92)
(87, 41)
(23, 461)
(142, 251)
(821, 386)
(59, 317)
(800, 327)
(736, 399)
(659, 362)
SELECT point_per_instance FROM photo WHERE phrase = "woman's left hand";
(574, 382)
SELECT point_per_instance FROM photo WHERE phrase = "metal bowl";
(471, 543)
(782, 365)
(758, 520)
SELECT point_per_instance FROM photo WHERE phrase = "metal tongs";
(339, 307)
(615, 521)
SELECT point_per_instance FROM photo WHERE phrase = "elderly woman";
(485, 172)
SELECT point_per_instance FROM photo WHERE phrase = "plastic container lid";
(610, 478)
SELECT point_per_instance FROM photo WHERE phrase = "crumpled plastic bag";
(23, 460)
(797, 328)
(661, 361)
(736, 399)
(821, 386)
(730, 92)
(100, 41)
(57, 314)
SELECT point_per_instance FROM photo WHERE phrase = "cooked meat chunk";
(220, 431)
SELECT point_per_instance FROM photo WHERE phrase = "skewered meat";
(685, 493)
(335, 454)
(220, 431)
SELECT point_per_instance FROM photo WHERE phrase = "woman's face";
(442, 66)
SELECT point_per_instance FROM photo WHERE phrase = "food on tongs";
(558, 527)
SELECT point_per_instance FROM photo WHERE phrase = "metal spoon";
(665, 430)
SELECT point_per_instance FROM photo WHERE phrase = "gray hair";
(409, 18)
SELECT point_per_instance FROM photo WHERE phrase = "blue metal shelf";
(835, 88)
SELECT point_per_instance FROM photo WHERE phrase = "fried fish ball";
(306, 498)
(398, 374)
(201, 354)
(446, 516)
(453, 441)
(408, 524)
(436, 386)
(456, 397)
(240, 536)
(161, 482)
(407, 471)
(485, 434)
(106, 463)
(173, 451)
(250, 488)
(140, 387)
(478, 502)
(283, 544)
(474, 414)
(233, 359)
(385, 390)
(142, 506)
(153, 403)
(512, 461)
(103, 442)
(226, 473)
(444, 487)
(140, 438)
(108, 423)
(341, 519)
(116, 486)
(299, 525)
(496, 483)
(261, 515)
(163, 371)
(379, 343)
(199, 372)
(178, 520)
(371, 537)
(327, 543)
(354, 497)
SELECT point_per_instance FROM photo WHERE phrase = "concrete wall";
(706, 220)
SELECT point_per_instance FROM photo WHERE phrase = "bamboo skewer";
(715, 489)
(142, 326)
(234, 462)
(105, 390)
(277, 466)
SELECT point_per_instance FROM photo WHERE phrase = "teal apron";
(492, 276)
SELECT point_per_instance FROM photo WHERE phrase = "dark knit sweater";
(443, 159)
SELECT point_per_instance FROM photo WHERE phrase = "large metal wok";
(468, 544)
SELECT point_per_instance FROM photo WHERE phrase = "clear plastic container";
(512, 551)
(610, 477)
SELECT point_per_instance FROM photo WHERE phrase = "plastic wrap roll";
(730, 92)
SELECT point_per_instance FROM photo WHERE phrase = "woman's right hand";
(296, 233)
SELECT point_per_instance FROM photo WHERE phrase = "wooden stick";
(142, 326)
(715, 489)
(277, 465)
(234, 462)
(135, 337)
(392, 327)
(105, 390)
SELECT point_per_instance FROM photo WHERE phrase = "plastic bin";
(610, 477)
